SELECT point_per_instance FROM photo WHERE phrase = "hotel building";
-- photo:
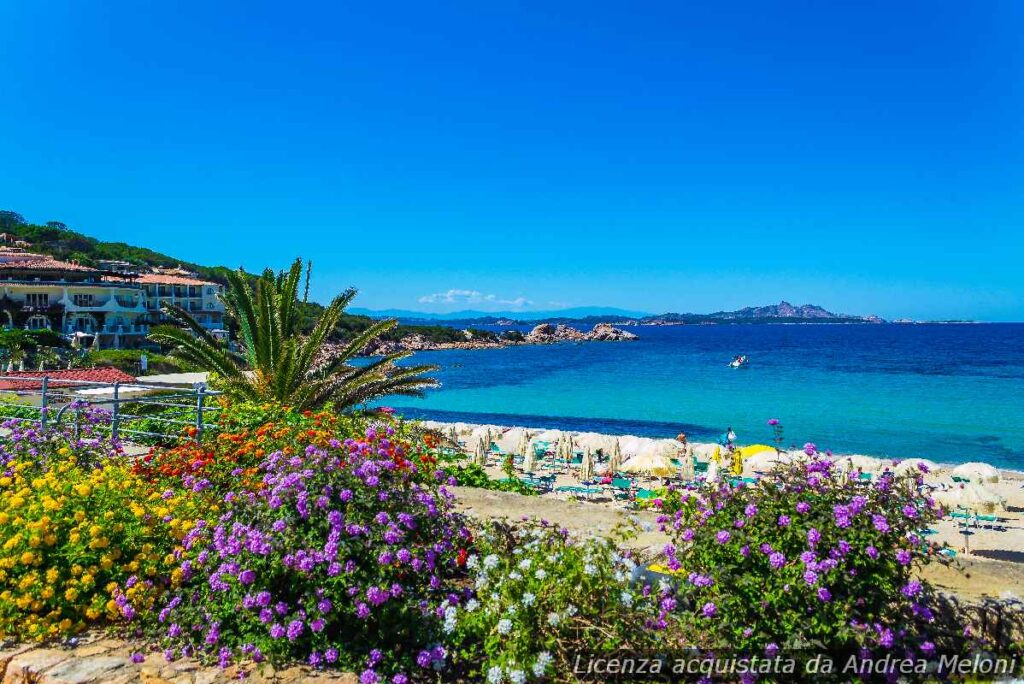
(108, 308)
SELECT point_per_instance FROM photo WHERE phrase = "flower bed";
(309, 537)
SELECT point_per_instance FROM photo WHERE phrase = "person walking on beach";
(687, 447)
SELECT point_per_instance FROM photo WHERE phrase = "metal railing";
(53, 402)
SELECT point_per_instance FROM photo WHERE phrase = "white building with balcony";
(40, 292)
(203, 299)
(111, 308)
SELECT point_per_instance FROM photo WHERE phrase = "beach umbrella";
(712, 475)
(587, 467)
(616, 458)
(746, 452)
(480, 453)
(864, 464)
(977, 472)
(763, 462)
(525, 447)
(669, 448)
(912, 467)
(549, 436)
(973, 497)
(529, 461)
(686, 473)
(511, 440)
(648, 464)
(463, 429)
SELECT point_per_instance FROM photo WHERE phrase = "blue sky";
(674, 156)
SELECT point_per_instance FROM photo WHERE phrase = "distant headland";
(783, 312)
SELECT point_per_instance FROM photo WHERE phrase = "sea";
(948, 392)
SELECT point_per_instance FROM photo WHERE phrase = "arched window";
(37, 322)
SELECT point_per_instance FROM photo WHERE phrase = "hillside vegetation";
(58, 240)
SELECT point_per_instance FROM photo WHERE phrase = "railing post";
(43, 403)
(200, 395)
(115, 421)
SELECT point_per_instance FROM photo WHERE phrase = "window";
(37, 299)
(37, 322)
(82, 299)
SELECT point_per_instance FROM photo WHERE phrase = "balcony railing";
(138, 329)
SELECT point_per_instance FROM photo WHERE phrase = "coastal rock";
(605, 332)
(544, 333)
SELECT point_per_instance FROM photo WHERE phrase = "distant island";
(783, 312)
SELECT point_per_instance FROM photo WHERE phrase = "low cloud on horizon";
(473, 298)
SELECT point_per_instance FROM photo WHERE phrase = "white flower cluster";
(449, 619)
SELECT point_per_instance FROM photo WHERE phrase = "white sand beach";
(986, 530)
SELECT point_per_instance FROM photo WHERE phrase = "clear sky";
(677, 156)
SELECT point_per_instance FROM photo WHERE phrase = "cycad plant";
(277, 361)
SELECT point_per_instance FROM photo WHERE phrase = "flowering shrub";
(337, 556)
(246, 433)
(474, 475)
(539, 596)
(813, 557)
(78, 542)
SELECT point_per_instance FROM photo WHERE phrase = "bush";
(338, 555)
(474, 475)
(811, 557)
(83, 538)
(540, 596)
(129, 360)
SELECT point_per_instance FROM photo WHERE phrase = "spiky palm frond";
(277, 362)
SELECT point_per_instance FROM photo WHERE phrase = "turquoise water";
(951, 393)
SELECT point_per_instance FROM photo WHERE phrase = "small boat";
(739, 361)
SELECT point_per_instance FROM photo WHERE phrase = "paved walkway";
(96, 659)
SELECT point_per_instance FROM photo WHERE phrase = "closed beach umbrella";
(977, 472)
(616, 458)
(712, 475)
(587, 467)
(525, 446)
(529, 461)
(480, 455)
(648, 464)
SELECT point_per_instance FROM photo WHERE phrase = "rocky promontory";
(545, 333)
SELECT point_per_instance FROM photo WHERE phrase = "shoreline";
(990, 554)
(701, 448)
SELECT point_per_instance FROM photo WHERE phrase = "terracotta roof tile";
(46, 263)
(33, 378)
(164, 279)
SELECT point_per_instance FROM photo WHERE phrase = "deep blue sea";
(951, 393)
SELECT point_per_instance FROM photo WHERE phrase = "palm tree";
(277, 362)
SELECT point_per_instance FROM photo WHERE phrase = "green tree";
(10, 219)
(277, 362)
